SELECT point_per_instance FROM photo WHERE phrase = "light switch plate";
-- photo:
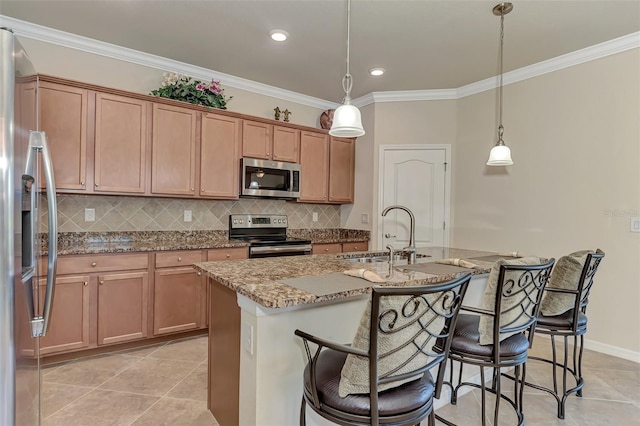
(364, 218)
(635, 224)
(89, 215)
(314, 216)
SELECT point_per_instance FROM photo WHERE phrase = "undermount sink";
(397, 257)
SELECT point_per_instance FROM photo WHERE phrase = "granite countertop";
(71, 243)
(258, 279)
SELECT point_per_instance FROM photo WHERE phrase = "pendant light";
(500, 154)
(347, 121)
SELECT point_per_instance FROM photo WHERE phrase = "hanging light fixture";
(500, 154)
(347, 121)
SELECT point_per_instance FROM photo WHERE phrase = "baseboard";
(612, 350)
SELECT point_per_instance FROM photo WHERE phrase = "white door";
(414, 176)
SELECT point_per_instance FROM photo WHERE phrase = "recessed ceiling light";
(376, 71)
(279, 35)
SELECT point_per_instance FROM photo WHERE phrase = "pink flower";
(201, 86)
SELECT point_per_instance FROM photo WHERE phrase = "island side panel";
(224, 354)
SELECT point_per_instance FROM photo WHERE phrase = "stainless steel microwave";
(264, 178)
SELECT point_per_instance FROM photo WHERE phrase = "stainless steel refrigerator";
(27, 266)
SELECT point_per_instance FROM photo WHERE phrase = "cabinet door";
(63, 117)
(328, 248)
(286, 144)
(256, 139)
(177, 300)
(314, 165)
(219, 157)
(341, 170)
(120, 144)
(122, 307)
(69, 323)
(173, 166)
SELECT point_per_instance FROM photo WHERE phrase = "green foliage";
(186, 89)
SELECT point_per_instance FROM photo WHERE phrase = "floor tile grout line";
(183, 379)
(62, 408)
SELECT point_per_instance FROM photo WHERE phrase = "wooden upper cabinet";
(268, 142)
(314, 164)
(120, 144)
(173, 164)
(219, 156)
(341, 170)
(256, 139)
(63, 118)
(286, 144)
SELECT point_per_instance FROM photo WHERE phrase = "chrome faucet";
(412, 233)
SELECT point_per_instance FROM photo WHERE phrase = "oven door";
(279, 250)
(262, 178)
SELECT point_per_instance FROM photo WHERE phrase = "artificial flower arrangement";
(184, 88)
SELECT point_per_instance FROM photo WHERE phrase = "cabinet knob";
(85, 283)
(355, 247)
(179, 259)
(199, 274)
(96, 185)
(94, 264)
(267, 153)
(193, 189)
(228, 255)
(101, 282)
(326, 249)
(82, 182)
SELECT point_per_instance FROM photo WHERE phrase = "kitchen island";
(255, 361)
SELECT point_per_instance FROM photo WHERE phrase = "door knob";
(388, 235)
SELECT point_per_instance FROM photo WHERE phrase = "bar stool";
(500, 336)
(563, 314)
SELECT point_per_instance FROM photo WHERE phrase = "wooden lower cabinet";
(122, 307)
(179, 293)
(69, 322)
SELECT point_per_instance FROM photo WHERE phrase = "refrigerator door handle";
(38, 143)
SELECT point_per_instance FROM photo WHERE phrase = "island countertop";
(258, 279)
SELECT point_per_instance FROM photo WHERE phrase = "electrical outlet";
(314, 216)
(364, 218)
(89, 215)
(188, 216)
(635, 224)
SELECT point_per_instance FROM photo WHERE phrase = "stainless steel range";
(267, 235)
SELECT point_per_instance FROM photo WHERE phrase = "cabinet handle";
(101, 282)
(85, 283)
(179, 259)
(355, 247)
(388, 235)
(94, 264)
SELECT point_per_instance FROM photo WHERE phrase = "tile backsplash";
(115, 213)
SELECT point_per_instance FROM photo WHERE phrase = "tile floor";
(166, 385)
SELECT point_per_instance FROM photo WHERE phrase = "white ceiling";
(423, 44)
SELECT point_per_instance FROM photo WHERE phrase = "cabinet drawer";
(227, 254)
(357, 246)
(178, 258)
(101, 263)
(326, 248)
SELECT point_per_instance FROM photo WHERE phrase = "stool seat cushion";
(562, 322)
(466, 340)
(398, 400)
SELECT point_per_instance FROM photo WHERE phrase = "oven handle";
(281, 249)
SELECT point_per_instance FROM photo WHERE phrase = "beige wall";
(575, 182)
(393, 123)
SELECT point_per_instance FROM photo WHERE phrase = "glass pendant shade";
(500, 155)
(347, 122)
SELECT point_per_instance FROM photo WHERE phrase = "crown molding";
(597, 51)
(84, 44)
(73, 41)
